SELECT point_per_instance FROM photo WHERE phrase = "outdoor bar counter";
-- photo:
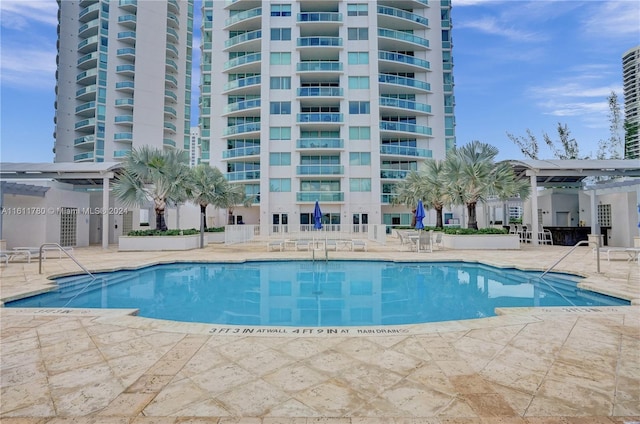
(568, 236)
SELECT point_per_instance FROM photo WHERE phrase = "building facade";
(325, 100)
(123, 78)
(631, 87)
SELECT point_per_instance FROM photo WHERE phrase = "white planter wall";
(481, 241)
(159, 243)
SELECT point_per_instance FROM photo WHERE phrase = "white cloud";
(30, 68)
(493, 26)
(613, 18)
(20, 14)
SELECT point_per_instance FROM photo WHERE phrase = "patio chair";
(437, 240)
(331, 244)
(544, 237)
(275, 244)
(358, 244)
(303, 245)
(424, 241)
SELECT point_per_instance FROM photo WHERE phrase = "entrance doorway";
(280, 223)
(360, 222)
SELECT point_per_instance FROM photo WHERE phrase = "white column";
(595, 229)
(105, 214)
(534, 208)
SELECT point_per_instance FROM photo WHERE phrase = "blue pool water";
(303, 293)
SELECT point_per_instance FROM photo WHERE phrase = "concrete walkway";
(526, 366)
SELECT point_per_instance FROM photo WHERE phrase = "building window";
(280, 83)
(604, 215)
(280, 10)
(358, 33)
(280, 184)
(359, 108)
(359, 133)
(280, 108)
(359, 158)
(280, 133)
(359, 83)
(358, 58)
(282, 34)
(360, 184)
(280, 58)
(280, 159)
(68, 224)
(357, 9)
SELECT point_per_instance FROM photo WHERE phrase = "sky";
(518, 66)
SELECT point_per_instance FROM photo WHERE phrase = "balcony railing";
(404, 127)
(403, 58)
(242, 128)
(243, 38)
(319, 66)
(403, 36)
(241, 151)
(321, 196)
(87, 139)
(244, 15)
(391, 149)
(320, 143)
(318, 117)
(320, 92)
(320, 17)
(404, 104)
(243, 175)
(320, 170)
(319, 42)
(83, 157)
(394, 174)
(243, 105)
(243, 82)
(404, 81)
(243, 60)
(398, 13)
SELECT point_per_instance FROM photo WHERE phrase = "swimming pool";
(316, 294)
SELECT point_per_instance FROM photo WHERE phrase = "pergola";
(86, 176)
(572, 173)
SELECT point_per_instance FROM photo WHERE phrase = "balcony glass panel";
(168, 142)
(247, 14)
(126, 68)
(169, 126)
(123, 136)
(89, 12)
(88, 29)
(90, 59)
(402, 14)
(173, 49)
(391, 149)
(319, 66)
(405, 104)
(403, 36)
(242, 82)
(171, 79)
(320, 17)
(242, 128)
(171, 94)
(243, 60)
(124, 102)
(321, 196)
(171, 64)
(170, 110)
(173, 33)
(387, 198)
(125, 85)
(128, 20)
(174, 4)
(121, 153)
(85, 123)
(320, 92)
(395, 174)
(86, 106)
(84, 140)
(88, 44)
(246, 104)
(404, 127)
(127, 36)
(320, 170)
(243, 175)
(319, 42)
(83, 156)
(320, 143)
(407, 82)
(403, 58)
(123, 118)
(243, 38)
(241, 151)
(320, 117)
(127, 51)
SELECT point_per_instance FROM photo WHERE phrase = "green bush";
(215, 229)
(471, 231)
(153, 232)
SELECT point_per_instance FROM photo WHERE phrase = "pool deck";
(526, 366)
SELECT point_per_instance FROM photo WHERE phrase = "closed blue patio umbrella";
(420, 216)
(317, 217)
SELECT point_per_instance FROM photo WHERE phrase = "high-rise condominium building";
(631, 86)
(124, 77)
(327, 100)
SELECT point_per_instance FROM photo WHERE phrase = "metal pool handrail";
(66, 253)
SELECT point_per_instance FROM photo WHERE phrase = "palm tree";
(427, 184)
(151, 174)
(472, 176)
(209, 187)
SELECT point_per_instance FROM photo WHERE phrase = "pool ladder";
(580, 243)
(313, 251)
(66, 253)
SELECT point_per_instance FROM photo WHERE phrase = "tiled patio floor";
(543, 366)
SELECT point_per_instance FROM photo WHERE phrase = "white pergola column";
(533, 177)
(595, 228)
(105, 212)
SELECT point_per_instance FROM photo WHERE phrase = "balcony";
(247, 128)
(173, 6)
(128, 5)
(243, 85)
(319, 17)
(246, 19)
(173, 50)
(128, 69)
(404, 85)
(123, 137)
(168, 126)
(127, 37)
(241, 152)
(397, 62)
(87, 77)
(392, 40)
(394, 174)
(171, 65)
(83, 157)
(125, 86)
(320, 66)
(394, 150)
(167, 142)
(319, 170)
(89, 29)
(170, 81)
(88, 44)
(87, 93)
(126, 103)
(320, 92)
(319, 42)
(319, 117)
(85, 141)
(88, 61)
(320, 143)
(127, 53)
(121, 154)
(388, 198)
(172, 20)
(124, 120)
(242, 175)
(85, 124)
(128, 21)
(407, 105)
(243, 106)
(89, 13)
(402, 127)
(390, 17)
(249, 41)
(320, 196)
(170, 95)
(246, 63)
(86, 109)
(170, 112)
(172, 35)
